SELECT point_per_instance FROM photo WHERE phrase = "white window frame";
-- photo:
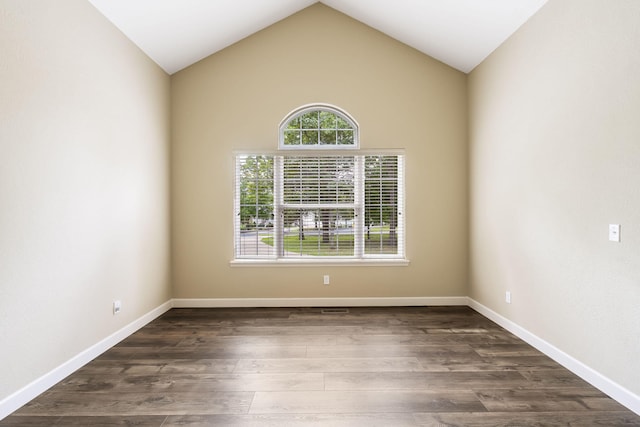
(277, 256)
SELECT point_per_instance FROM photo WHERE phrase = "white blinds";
(383, 202)
(291, 206)
(254, 208)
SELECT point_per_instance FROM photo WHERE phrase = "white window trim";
(328, 262)
(361, 260)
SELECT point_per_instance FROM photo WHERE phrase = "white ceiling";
(178, 33)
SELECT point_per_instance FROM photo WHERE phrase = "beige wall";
(555, 157)
(235, 99)
(83, 184)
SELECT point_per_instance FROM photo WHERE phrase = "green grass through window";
(338, 244)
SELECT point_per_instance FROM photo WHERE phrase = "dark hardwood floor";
(409, 366)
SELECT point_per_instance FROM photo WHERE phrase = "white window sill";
(391, 262)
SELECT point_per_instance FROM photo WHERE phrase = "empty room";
(334, 213)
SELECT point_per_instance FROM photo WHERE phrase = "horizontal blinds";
(319, 206)
(255, 209)
(383, 205)
(318, 180)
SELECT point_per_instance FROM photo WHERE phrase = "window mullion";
(401, 216)
(358, 232)
(278, 177)
(236, 209)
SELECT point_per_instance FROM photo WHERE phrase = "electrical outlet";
(117, 306)
(326, 280)
(507, 297)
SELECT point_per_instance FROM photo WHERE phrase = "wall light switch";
(614, 232)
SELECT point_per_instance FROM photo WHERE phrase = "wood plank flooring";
(407, 366)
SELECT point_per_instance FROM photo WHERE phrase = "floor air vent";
(334, 311)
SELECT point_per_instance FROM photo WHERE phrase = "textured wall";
(235, 100)
(555, 155)
(84, 141)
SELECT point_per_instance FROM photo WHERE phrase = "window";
(305, 204)
(318, 127)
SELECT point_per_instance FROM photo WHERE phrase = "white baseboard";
(29, 392)
(317, 302)
(596, 379)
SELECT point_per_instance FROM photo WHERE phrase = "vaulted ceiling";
(178, 33)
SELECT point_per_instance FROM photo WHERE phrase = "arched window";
(318, 126)
(312, 201)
